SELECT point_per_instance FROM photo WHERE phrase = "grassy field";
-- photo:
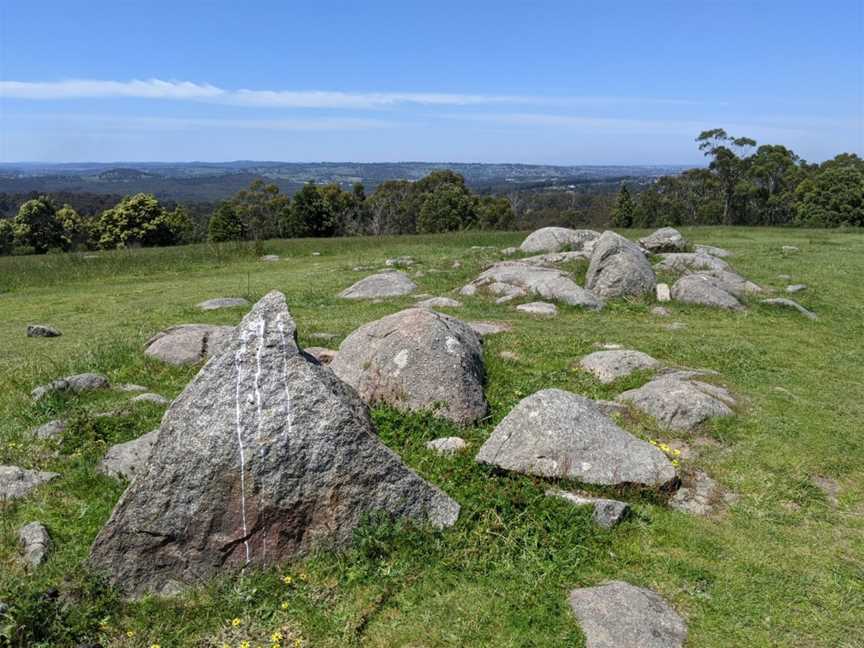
(784, 566)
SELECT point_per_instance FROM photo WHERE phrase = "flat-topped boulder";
(690, 262)
(126, 460)
(17, 482)
(438, 302)
(381, 285)
(554, 258)
(619, 268)
(417, 359)
(556, 239)
(713, 250)
(558, 434)
(665, 239)
(543, 309)
(484, 328)
(187, 344)
(609, 366)
(705, 290)
(222, 302)
(264, 457)
(621, 615)
(50, 430)
(75, 384)
(519, 279)
(680, 402)
(42, 330)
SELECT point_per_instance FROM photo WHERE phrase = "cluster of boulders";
(270, 451)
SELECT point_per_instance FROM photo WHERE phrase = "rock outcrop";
(705, 290)
(514, 279)
(417, 359)
(609, 366)
(42, 330)
(76, 384)
(35, 543)
(17, 482)
(265, 455)
(665, 239)
(126, 460)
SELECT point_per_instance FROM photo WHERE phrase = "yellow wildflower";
(244, 644)
(303, 576)
(130, 633)
(155, 646)
(285, 605)
(235, 622)
(287, 580)
(276, 637)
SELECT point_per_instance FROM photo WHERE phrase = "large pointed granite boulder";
(417, 359)
(619, 268)
(265, 455)
(558, 434)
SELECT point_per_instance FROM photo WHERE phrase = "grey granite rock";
(149, 397)
(679, 402)
(518, 279)
(665, 239)
(17, 482)
(50, 430)
(439, 302)
(661, 311)
(417, 359)
(72, 384)
(607, 512)
(556, 239)
(619, 268)
(690, 262)
(484, 328)
(718, 252)
(265, 456)
(270, 258)
(609, 366)
(35, 543)
(704, 290)
(621, 615)
(126, 460)
(789, 303)
(381, 285)
(447, 445)
(795, 288)
(222, 302)
(699, 495)
(663, 293)
(544, 309)
(187, 343)
(42, 330)
(557, 434)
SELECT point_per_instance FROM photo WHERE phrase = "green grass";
(783, 567)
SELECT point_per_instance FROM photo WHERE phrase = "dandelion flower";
(287, 580)
(284, 605)
(244, 644)
(276, 637)
(235, 622)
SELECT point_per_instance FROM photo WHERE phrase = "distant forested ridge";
(743, 184)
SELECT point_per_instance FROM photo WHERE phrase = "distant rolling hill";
(207, 181)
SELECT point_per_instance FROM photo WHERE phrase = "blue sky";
(569, 82)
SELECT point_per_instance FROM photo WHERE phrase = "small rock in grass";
(609, 366)
(509, 251)
(316, 254)
(484, 328)
(700, 495)
(402, 261)
(130, 387)
(607, 512)
(447, 445)
(42, 330)
(679, 403)
(620, 615)
(75, 384)
(675, 326)
(794, 288)
(784, 277)
(35, 542)
(788, 303)
(222, 302)
(187, 343)
(661, 311)
(790, 249)
(17, 482)
(544, 309)
(508, 355)
(456, 264)
(664, 293)
(439, 302)
(270, 257)
(713, 251)
(322, 354)
(150, 397)
(49, 430)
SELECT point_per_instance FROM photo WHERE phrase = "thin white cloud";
(189, 91)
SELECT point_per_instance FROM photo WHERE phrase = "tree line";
(440, 202)
(749, 185)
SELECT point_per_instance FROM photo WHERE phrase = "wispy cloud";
(190, 91)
